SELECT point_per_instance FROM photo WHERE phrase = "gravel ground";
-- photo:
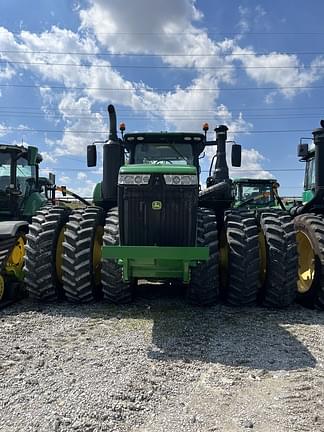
(160, 365)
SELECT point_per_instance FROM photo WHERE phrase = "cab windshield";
(23, 172)
(168, 153)
(259, 194)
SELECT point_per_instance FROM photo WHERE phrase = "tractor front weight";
(154, 262)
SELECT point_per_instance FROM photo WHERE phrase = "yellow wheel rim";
(223, 258)
(17, 254)
(263, 257)
(59, 254)
(96, 254)
(306, 263)
(16, 258)
(2, 287)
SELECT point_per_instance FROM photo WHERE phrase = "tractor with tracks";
(20, 198)
(309, 223)
(151, 220)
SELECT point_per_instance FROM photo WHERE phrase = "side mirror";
(236, 155)
(302, 150)
(51, 178)
(32, 153)
(91, 155)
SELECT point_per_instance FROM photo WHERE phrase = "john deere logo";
(156, 205)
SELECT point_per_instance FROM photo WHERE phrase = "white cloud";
(250, 18)
(3, 129)
(81, 175)
(244, 24)
(48, 157)
(74, 141)
(134, 19)
(281, 70)
(6, 72)
(251, 166)
(64, 179)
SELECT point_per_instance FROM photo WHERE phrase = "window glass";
(168, 153)
(5, 159)
(24, 171)
(261, 194)
(310, 174)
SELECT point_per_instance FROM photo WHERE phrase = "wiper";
(178, 152)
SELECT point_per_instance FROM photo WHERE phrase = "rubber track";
(114, 288)
(203, 289)
(316, 224)
(280, 288)
(243, 276)
(40, 268)
(77, 266)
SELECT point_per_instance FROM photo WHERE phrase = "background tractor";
(256, 193)
(309, 223)
(150, 220)
(20, 197)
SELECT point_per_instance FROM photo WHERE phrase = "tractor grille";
(172, 225)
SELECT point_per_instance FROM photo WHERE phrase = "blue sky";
(172, 65)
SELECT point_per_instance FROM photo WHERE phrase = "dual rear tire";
(260, 264)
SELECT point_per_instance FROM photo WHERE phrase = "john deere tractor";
(309, 223)
(256, 193)
(151, 220)
(20, 198)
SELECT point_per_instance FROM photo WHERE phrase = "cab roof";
(8, 148)
(254, 181)
(165, 137)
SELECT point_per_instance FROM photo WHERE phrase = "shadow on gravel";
(252, 337)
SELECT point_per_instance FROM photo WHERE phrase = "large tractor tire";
(81, 264)
(240, 258)
(115, 290)
(279, 259)
(43, 260)
(203, 289)
(310, 242)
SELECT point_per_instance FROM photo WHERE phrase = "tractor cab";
(18, 179)
(164, 148)
(254, 193)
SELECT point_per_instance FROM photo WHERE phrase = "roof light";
(205, 127)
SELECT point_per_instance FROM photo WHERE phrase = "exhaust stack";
(221, 168)
(113, 159)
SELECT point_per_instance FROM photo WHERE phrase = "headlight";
(133, 179)
(178, 179)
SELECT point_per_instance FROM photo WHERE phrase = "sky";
(256, 66)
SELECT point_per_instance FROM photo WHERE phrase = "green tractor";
(20, 198)
(151, 220)
(256, 193)
(309, 223)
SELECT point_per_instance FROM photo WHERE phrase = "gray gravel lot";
(160, 365)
